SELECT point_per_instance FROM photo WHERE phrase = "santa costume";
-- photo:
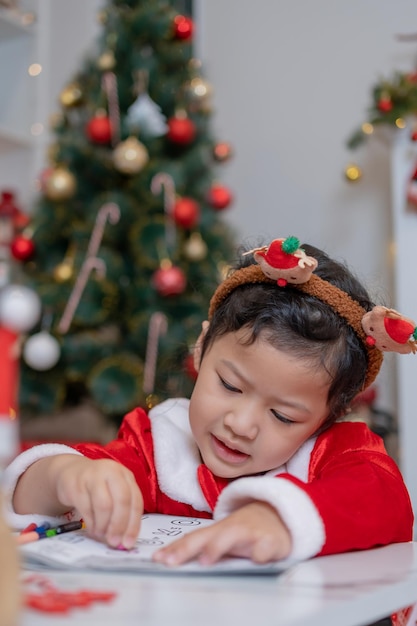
(339, 492)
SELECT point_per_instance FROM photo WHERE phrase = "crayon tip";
(29, 528)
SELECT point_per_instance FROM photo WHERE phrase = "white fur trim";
(299, 463)
(13, 472)
(292, 504)
(177, 457)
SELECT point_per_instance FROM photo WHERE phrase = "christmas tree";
(127, 242)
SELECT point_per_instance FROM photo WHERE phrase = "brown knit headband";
(284, 262)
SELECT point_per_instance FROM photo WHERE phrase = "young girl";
(261, 446)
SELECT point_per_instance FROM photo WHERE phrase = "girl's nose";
(243, 422)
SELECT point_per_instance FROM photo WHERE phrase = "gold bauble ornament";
(130, 156)
(60, 184)
(151, 400)
(198, 94)
(106, 61)
(353, 172)
(71, 95)
(63, 272)
(195, 248)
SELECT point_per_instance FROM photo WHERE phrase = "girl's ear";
(197, 348)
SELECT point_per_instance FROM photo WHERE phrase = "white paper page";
(75, 550)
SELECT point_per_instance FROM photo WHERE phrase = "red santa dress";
(340, 491)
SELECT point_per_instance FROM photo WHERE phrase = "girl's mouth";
(226, 453)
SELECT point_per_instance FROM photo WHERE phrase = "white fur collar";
(177, 457)
(176, 454)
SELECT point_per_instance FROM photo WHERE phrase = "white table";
(348, 590)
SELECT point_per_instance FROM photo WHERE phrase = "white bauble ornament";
(20, 308)
(41, 351)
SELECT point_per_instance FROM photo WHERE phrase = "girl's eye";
(229, 387)
(281, 418)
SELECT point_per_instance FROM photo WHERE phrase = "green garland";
(393, 101)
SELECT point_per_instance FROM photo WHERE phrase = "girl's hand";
(104, 493)
(254, 531)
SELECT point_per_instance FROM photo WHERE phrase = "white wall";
(292, 79)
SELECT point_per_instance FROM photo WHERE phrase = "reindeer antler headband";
(284, 262)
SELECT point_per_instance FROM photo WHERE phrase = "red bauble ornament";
(222, 151)
(186, 212)
(181, 130)
(22, 248)
(219, 197)
(385, 105)
(169, 280)
(183, 27)
(99, 129)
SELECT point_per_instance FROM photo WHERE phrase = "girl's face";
(253, 405)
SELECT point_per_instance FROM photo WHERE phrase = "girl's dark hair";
(296, 322)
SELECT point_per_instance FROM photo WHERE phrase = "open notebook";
(75, 550)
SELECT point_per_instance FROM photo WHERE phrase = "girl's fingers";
(101, 509)
(136, 510)
(185, 549)
(123, 526)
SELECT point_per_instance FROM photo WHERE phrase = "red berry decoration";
(99, 129)
(169, 281)
(183, 27)
(181, 130)
(219, 197)
(186, 212)
(22, 248)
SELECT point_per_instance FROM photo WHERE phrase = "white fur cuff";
(12, 474)
(292, 504)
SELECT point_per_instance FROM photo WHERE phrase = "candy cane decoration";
(110, 212)
(164, 182)
(90, 264)
(109, 82)
(158, 325)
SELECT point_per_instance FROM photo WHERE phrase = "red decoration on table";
(181, 130)
(99, 129)
(219, 197)
(186, 212)
(169, 280)
(41, 595)
(183, 27)
(22, 248)
(405, 617)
